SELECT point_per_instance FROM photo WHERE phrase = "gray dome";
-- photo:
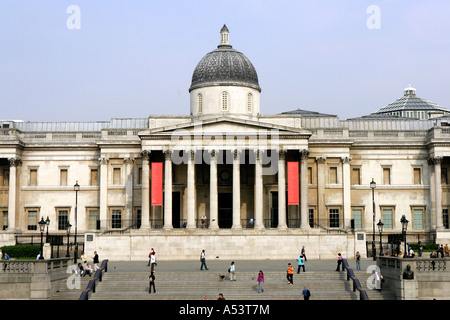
(224, 67)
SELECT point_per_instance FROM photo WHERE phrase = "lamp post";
(47, 222)
(380, 229)
(68, 225)
(76, 187)
(42, 225)
(404, 227)
(373, 185)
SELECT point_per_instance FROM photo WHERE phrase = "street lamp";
(404, 227)
(380, 229)
(373, 185)
(47, 222)
(42, 225)
(68, 225)
(76, 187)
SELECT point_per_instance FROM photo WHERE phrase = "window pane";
(387, 218)
(445, 217)
(5, 220)
(418, 218)
(63, 217)
(93, 219)
(116, 219)
(357, 218)
(32, 220)
(334, 218)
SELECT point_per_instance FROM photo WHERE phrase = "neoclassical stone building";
(227, 179)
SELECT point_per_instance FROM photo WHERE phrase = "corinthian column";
(346, 191)
(304, 196)
(191, 191)
(236, 191)
(438, 189)
(213, 197)
(281, 190)
(103, 192)
(13, 163)
(259, 220)
(145, 206)
(168, 190)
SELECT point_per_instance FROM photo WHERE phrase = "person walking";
(152, 252)
(301, 264)
(152, 262)
(260, 281)
(203, 260)
(290, 273)
(303, 253)
(95, 261)
(151, 283)
(306, 293)
(339, 262)
(358, 261)
(232, 271)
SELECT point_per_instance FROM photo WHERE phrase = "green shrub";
(22, 250)
(427, 247)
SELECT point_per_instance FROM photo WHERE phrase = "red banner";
(292, 175)
(157, 183)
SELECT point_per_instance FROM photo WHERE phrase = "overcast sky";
(74, 60)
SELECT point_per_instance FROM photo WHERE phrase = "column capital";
(103, 160)
(145, 154)
(129, 161)
(434, 160)
(304, 153)
(14, 162)
(168, 154)
(346, 159)
(236, 154)
(282, 154)
(321, 159)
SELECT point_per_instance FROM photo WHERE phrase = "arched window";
(225, 101)
(199, 103)
(249, 102)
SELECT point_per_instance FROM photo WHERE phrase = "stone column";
(103, 192)
(168, 190)
(259, 217)
(129, 189)
(438, 190)
(304, 196)
(236, 190)
(346, 183)
(145, 205)
(12, 196)
(191, 191)
(321, 209)
(282, 190)
(213, 196)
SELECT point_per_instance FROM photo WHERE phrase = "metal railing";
(356, 284)
(90, 289)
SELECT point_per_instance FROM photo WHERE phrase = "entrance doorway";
(176, 209)
(225, 206)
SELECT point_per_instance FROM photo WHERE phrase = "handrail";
(93, 283)
(356, 284)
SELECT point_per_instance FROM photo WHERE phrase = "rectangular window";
(418, 218)
(356, 176)
(94, 177)
(357, 218)
(387, 214)
(444, 177)
(33, 177)
(386, 175)
(94, 219)
(6, 178)
(333, 175)
(311, 218)
(310, 176)
(116, 218)
(116, 176)
(32, 220)
(63, 217)
(445, 218)
(140, 176)
(63, 178)
(5, 220)
(334, 218)
(417, 176)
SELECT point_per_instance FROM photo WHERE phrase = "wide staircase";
(196, 285)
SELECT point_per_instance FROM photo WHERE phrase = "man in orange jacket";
(290, 274)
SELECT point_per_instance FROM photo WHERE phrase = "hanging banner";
(157, 183)
(292, 175)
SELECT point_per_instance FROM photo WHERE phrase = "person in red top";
(290, 273)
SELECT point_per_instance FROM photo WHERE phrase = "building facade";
(226, 178)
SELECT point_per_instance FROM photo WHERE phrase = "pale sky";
(133, 59)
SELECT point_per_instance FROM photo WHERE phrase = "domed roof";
(224, 66)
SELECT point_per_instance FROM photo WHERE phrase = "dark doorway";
(176, 209)
(225, 207)
(274, 211)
